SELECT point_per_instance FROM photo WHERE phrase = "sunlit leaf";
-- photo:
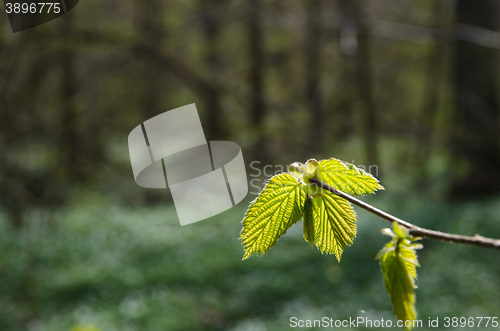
(398, 261)
(308, 225)
(347, 177)
(276, 209)
(334, 224)
(329, 222)
(297, 170)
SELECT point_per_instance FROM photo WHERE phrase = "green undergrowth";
(120, 268)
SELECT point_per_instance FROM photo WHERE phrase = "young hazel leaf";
(308, 226)
(276, 209)
(399, 283)
(347, 177)
(398, 261)
(329, 221)
(334, 224)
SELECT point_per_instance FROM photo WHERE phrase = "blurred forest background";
(408, 86)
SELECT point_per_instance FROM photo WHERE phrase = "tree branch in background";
(414, 230)
(180, 70)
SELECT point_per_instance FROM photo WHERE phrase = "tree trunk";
(150, 34)
(257, 99)
(426, 118)
(365, 90)
(211, 28)
(68, 87)
(343, 104)
(476, 139)
(312, 65)
(360, 50)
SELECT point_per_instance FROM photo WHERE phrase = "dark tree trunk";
(312, 66)
(365, 90)
(427, 117)
(69, 130)
(211, 28)
(257, 99)
(150, 33)
(343, 104)
(476, 139)
(360, 51)
(151, 37)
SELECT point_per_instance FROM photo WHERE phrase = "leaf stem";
(414, 230)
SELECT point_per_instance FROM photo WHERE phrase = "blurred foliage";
(129, 268)
(84, 328)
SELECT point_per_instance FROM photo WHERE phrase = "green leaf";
(398, 261)
(335, 224)
(272, 213)
(329, 221)
(347, 177)
(399, 284)
(308, 225)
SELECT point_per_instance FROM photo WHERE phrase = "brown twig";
(414, 230)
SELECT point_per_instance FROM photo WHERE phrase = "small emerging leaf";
(388, 232)
(312, 170)
(303, 173)
(347, 177)
(312, 167)
(398, 261)
(297, 170)
(272, 213)
(399, 231)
